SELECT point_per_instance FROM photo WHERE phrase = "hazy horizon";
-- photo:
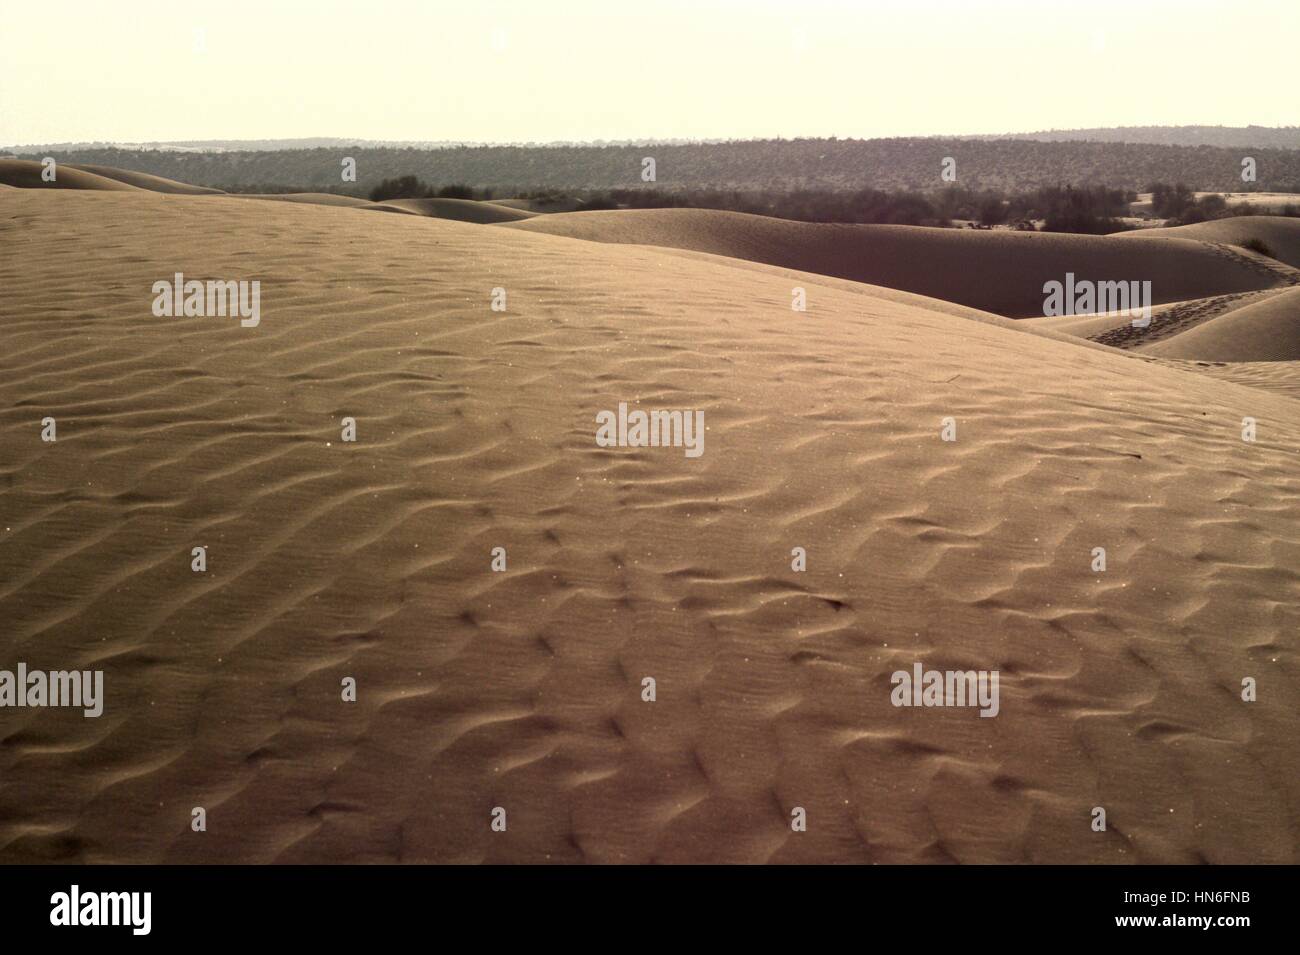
(305, 141)
(507, 73)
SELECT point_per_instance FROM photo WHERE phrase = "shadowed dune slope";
(26, 174)
(1000, 272)
(461, 210)
(1281, 233)
(1267, 330)
(522, 689)
(143, 180)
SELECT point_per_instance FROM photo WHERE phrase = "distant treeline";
(1236, 137)
(1095, 210)
(412, 187)
(1090, 209)
(888, 165)
(1180, 205)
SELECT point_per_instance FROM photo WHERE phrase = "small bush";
(403, 187)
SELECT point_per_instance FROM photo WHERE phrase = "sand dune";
(556, 204)
(461, 210)
(1093, 326)
(1168, 321)
(522, 689)
(311, 198)
(26, 174)
(1264, 330)
(808, 280)
(1000, 272)
(1280, 233)
(1282, 377)
(328, 199)
(142, 180)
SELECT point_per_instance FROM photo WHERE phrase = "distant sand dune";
(1264, 330)
(311, 198)
(1000, 272)
(144, 180)
(26, 174)
(880, 292)
(522, 689)
(558, 204)
(462, 210)
(1279, 232)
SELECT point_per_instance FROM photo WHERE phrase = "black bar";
(331, 905)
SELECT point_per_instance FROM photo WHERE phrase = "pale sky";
(505, 71)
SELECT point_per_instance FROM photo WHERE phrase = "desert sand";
(522, 689)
